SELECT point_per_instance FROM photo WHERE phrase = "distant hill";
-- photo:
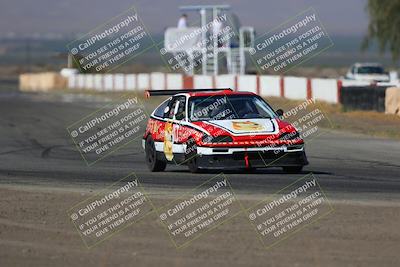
(344, 52)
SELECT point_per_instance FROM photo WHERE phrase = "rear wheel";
(292, 169)
(154, 164)
(191, 156)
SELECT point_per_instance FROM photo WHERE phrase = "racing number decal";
(168, 140)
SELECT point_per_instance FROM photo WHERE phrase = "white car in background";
(370, 72)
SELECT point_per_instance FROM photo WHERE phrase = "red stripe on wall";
(258, 89)
(339, 90)
(282, 86)
(309, 91)
(188, 82)
(236, 83)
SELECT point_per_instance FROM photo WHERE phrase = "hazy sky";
(80, 16)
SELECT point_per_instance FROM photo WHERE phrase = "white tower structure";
(216, 39)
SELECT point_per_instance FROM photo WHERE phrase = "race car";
(220, 129)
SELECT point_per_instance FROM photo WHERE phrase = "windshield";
(370, 70)
(224, 107)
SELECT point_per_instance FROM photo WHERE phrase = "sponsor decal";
(247, 126)
(168, 140)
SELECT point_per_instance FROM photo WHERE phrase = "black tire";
(292, 169)
(154, 164)
(191, 156)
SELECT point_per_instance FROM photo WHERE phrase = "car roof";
(367, 64)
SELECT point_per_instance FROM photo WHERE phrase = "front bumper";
(254, 159)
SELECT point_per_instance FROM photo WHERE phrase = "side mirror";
(279, 112)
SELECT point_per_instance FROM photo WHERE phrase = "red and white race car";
(220, 129)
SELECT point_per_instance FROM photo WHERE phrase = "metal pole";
(215, 41)
(203, 15)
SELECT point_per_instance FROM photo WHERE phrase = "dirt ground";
(35, 230)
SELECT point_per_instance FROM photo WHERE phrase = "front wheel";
(191, 156)
(154, 164)
(292, 169)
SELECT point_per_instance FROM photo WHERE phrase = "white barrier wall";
(225, 81)
(89, 81)
(119, 82)
(98, 82)
(130, 82)
(270, 85)
(295, 87)
(143, 81)
(81, 81)
(174, 81)
(202, 81)
(247, 83)
(157, 81)
(325, 90)
(108, 82)
(72, 81)
(267, 85)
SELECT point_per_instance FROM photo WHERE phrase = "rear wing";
(149, 93)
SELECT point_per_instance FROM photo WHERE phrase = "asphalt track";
(35, 150)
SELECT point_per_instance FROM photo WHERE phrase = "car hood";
(247, 126)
